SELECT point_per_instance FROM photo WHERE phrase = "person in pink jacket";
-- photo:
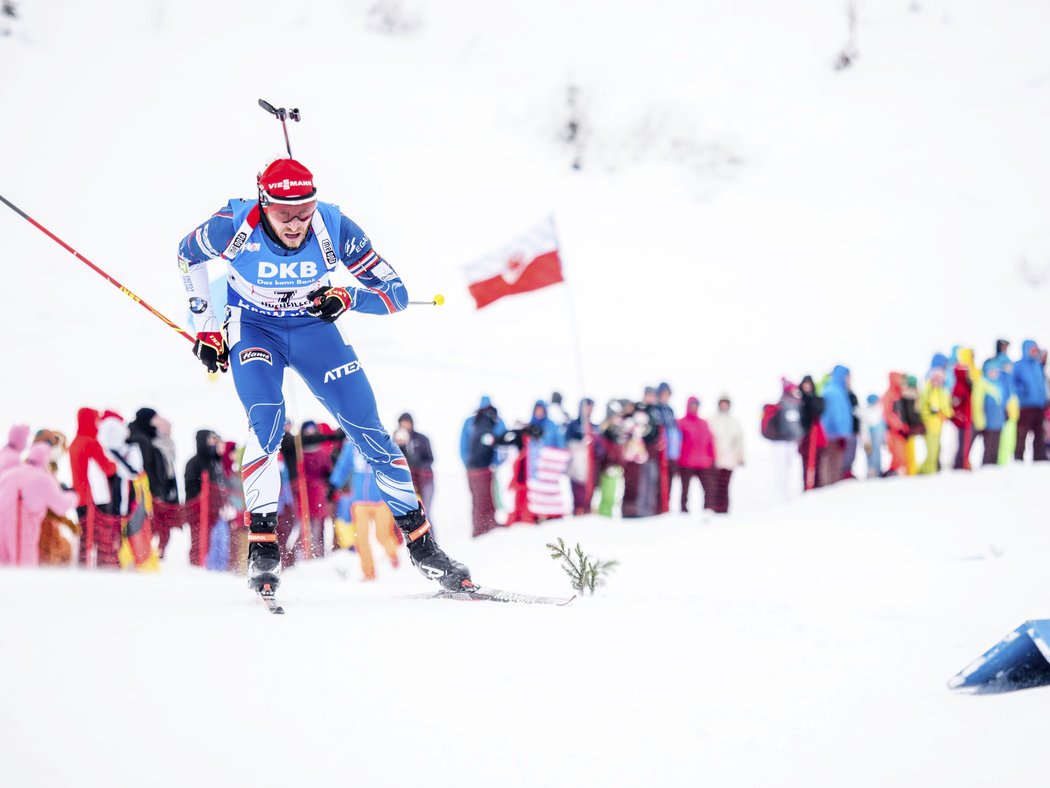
(27, 491)
(697, 458)
(16, 444)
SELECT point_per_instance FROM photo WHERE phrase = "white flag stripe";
(543, 508)
(537, 241)
(544, 487)
(545, 494)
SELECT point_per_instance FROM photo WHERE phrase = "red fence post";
(811, 467)
(89, 554)
(18, 531)
(205, 526)
(588, 486)
(307, 534)
(664, 504)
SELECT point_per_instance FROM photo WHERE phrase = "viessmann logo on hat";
(286, 185)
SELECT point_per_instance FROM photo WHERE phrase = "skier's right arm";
(195, 250)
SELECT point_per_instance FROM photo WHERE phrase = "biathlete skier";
(280, 252)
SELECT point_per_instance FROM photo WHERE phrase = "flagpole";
(572, 318)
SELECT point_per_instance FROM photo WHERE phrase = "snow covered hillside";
(801, 648)
(742, 210)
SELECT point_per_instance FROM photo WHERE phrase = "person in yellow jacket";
(935, 407)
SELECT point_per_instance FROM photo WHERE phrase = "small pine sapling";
(585, 573)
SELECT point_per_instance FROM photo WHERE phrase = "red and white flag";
(528, 263)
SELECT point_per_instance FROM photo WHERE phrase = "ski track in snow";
(743, 212)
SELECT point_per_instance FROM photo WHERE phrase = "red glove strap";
(342, 295)
(212, 339)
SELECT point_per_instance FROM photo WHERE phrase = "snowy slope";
(761, 212)
(743, 211)
(799, 648)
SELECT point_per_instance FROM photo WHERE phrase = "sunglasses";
(286, 214)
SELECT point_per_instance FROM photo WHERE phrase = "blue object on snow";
(1020, 660)
(218, 559)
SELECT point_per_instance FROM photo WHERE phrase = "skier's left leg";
(332, 371)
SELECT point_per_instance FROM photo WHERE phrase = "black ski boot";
(264, 557)
(428, 557)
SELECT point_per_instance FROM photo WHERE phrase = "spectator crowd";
(991, 412)
(123, 501)
(553, 464)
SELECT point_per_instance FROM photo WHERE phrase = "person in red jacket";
(962, 415)
(896, 428)
(91, 469)
(697, 457)
(86, 459)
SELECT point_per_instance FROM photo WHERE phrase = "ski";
(483, 594)
(269, 598)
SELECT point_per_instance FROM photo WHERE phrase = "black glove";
(211, 349)
(328, 303)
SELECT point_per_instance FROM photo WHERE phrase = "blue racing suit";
(267, 329)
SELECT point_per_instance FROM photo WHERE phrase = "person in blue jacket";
(478, 443)
(837, 420)
(281, 251)
(544, 428)
(989, 408)
(1029, 381)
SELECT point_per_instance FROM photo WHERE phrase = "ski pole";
(92, 266)
(438, 301)
(282, 115)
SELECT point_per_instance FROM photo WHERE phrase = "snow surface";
(743, 211)
(804, 646)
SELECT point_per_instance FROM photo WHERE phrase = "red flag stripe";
(538, 273)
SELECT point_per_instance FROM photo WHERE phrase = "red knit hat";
(111, 414)
(286, 181)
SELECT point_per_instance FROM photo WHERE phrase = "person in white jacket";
(113, 435)
(729, 452)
